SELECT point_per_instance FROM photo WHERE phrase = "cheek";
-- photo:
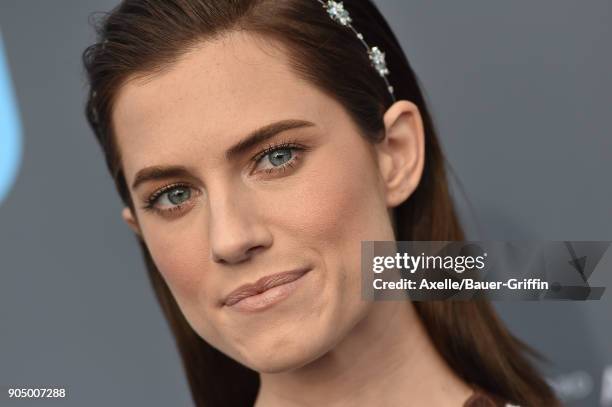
(184, 267)
(335, 205)
(338, 202)
(181, 260)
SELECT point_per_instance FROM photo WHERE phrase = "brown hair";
(142, 37)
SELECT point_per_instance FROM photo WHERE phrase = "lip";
(260, 293)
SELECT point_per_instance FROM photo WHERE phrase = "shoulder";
(481, 398)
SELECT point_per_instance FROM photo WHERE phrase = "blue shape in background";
(10, 128)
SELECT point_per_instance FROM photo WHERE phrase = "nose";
(236, 230)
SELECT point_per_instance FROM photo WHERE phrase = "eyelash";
(286, 145)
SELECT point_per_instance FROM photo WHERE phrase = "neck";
(387, 359)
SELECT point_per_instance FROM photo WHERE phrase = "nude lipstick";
(265, 292)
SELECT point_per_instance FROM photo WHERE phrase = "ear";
(401, 155)
(131, 220)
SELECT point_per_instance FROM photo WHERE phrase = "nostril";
(232, 247)
(254, 250)
(235, 258)
(217, 259)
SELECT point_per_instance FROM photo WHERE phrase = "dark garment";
(480, 398)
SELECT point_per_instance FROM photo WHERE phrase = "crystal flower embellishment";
(337, 12)
(378, 60)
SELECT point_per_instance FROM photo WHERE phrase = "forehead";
(211, 97)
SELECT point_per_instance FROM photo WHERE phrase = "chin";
(286, 354)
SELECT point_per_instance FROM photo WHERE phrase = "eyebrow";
(256, 137)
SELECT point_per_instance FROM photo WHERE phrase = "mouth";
(265, 292)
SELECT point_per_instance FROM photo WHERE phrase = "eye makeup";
(289, 149)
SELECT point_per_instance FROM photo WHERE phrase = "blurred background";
(521, 93)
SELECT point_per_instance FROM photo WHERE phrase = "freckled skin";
(240, 226)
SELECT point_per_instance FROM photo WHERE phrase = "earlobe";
(401, 155)
(131, 221)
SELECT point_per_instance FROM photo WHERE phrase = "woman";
(255, 144)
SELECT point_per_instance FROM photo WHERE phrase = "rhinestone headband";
(337, 12)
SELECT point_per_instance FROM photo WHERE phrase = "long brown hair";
(142, 37)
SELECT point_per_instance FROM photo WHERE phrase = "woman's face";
(302, 197)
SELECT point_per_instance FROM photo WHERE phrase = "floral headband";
(338, 13)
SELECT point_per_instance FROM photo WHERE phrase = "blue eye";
(169, 198)
(173, 199)
(280, 156)
(177, 195)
